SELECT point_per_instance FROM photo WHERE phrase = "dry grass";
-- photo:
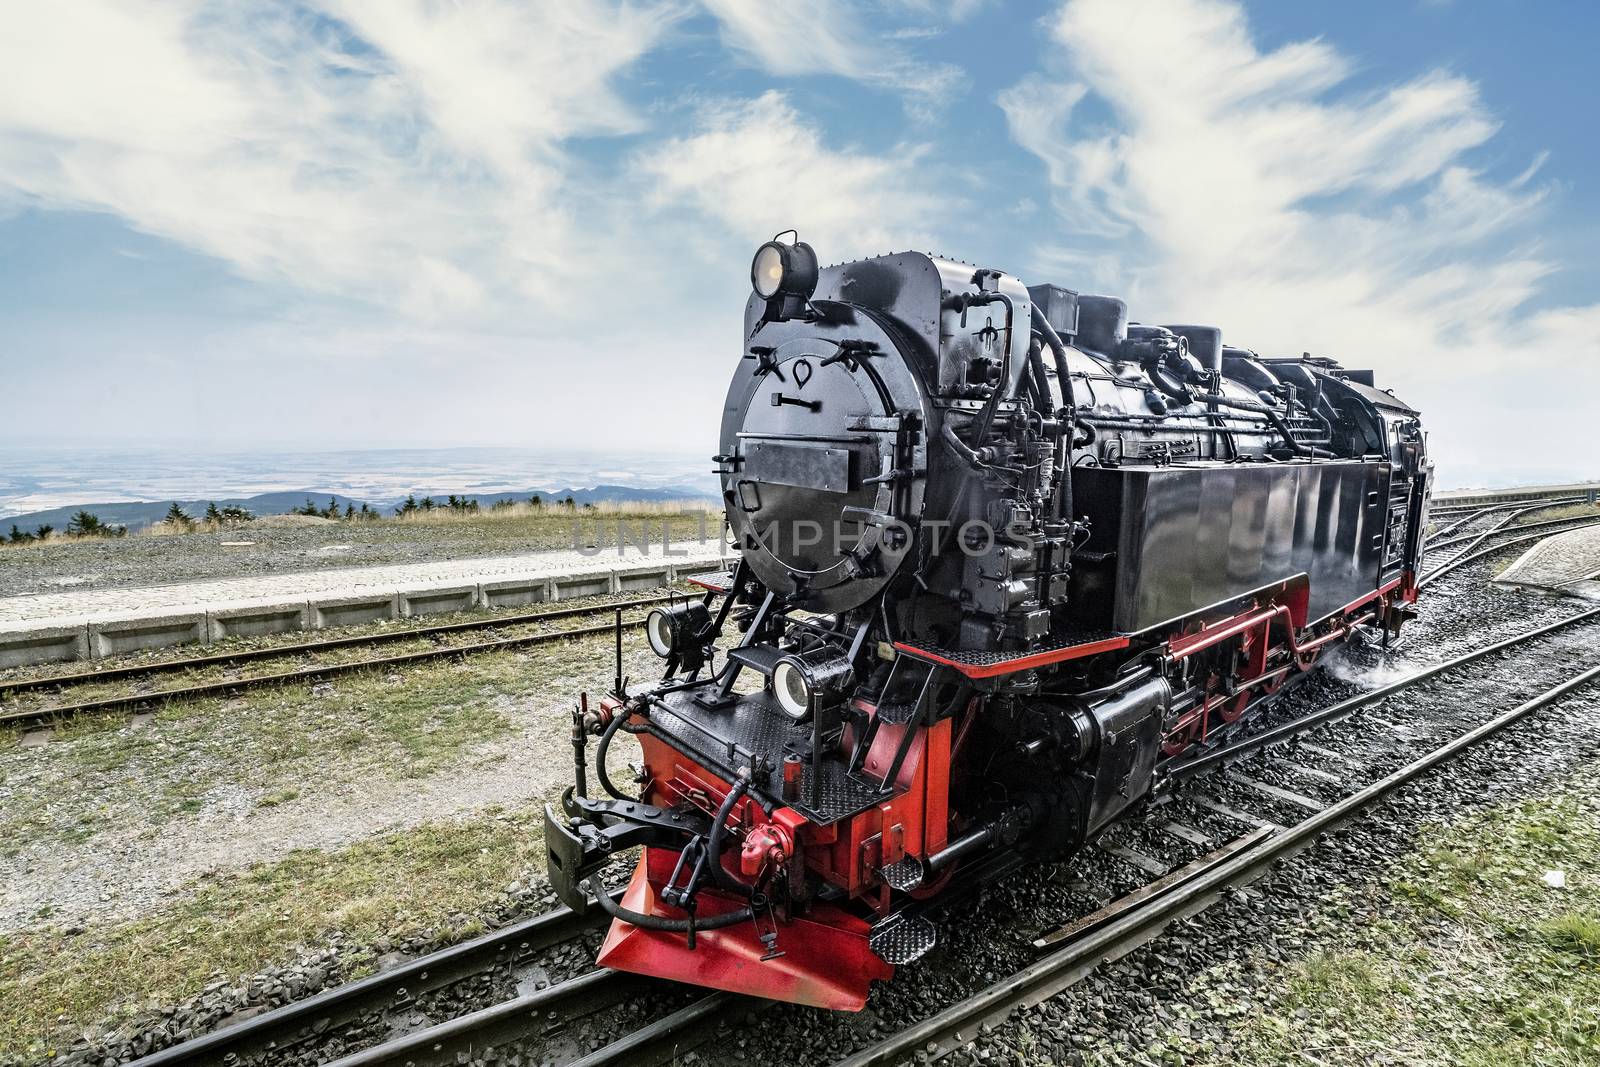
(57, 538)
(437, 880)
(1566, 511)
(441, 516)
(682, 516)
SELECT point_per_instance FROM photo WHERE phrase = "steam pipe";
(965, 845)
(986, 417)
(1277, 422)
(1058, 350)
(1041, 383)
(980, 838)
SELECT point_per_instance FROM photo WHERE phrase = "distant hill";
(140, 515)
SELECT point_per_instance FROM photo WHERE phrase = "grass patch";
(549, 526)
(1566, 511)
(1479, 962)
(277, 744)
(437, 878)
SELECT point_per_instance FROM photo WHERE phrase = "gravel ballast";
(1179, 999)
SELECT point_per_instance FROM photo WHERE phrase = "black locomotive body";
(1005, 559)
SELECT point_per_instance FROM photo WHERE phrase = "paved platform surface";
(1565, 562)
(94, 623)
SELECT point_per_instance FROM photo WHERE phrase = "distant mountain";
(140, 515)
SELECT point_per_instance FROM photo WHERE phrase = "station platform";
(1567, 563)
(94, 623)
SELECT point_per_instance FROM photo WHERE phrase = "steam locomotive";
(1006, 560)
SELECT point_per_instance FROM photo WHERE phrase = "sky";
(414, 223)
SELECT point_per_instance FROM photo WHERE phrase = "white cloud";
(407, 179)
(757, 165)
(827, 37)
(940, 10)
(402, 152)
(1248, 188)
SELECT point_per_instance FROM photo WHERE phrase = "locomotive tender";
(1005, 559)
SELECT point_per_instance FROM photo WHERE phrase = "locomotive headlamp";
(766, 273)
(679, 630)
(800, 680)
(785, 276)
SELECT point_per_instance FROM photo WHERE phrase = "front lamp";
(802, 681)
(680, 630)
(785, 276)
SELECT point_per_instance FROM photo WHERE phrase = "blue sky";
(370, 223)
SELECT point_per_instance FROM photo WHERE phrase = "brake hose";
(600, 757)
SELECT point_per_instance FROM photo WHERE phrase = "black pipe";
(1058, 350)
(1041, 382)
(1003, 387)
(580, 743)
(968, 843)
(714, 839)
(1182, 428)
(600, 757)
(657, 922)
(1278, 424)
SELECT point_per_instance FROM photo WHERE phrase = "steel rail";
(1462, 516)
(1514, 528)
(536, 1013)
(304, 674)
(1289, 731)
(1446, 531)
(1144, 919)
(1474, 540)
(1465, 558)
(665, 1040)
(1456, 510)
(306, 1020)
(465, 1037)
(53, 681)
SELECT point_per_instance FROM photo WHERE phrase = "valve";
(762, 846)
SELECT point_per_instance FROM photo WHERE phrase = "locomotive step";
(905, 874)
(716, 581)
(760, 658)
(902, 938)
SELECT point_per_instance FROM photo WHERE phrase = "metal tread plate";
(904, 874)
(716, 581)
(896, 714)
(761, 658)
(727, 737)
(902, 939)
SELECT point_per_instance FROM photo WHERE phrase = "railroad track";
(286, 1030)
(687, 1019)
(1467, 555)
(144, 698)
(683, 1018)
(1070, 954)
(1462, 516)
(1504, 527)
